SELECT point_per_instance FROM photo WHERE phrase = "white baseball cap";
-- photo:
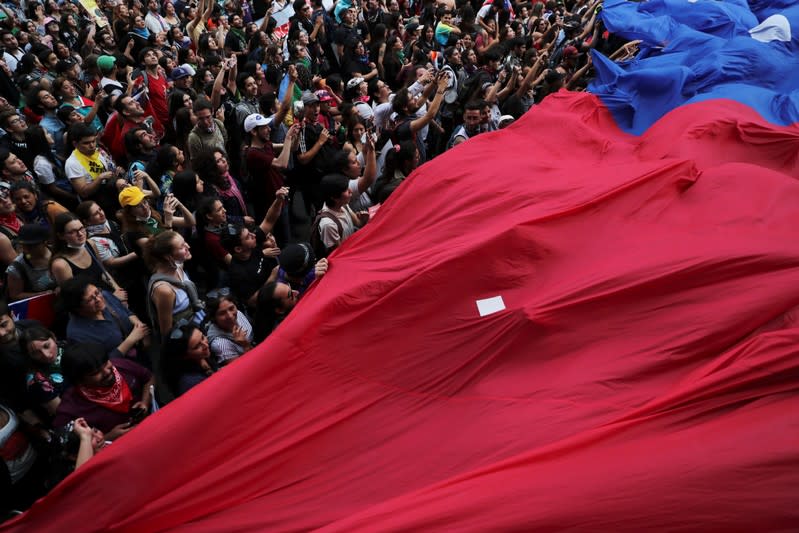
(255, 120)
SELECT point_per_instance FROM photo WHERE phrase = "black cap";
(33, 234)
(297, 259)
(63, 65)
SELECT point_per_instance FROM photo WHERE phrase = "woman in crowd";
(72, 256)
(29, 274)
(170, 16)
(393, 61)
(67, 94)
(32, 208)
(401, 160)
(173, 296)
(188, 188)
(139, 221)
(230, 333)
(168, 161)
(98, 316)
(356, 131)
(108, 244)
(184, 122)
(427, 42)
(44, 381)
(186, 358)
(213, 168)
(357, 63)
(177, 99)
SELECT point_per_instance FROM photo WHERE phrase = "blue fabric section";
(697, 51)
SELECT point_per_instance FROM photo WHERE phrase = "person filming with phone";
(111, 395)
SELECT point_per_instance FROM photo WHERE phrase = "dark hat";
(309, 98)
(33, 234)
(297, 259)
(412, 27)
(63, 65)
(179, 73)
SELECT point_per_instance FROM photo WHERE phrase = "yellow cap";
(130, 196)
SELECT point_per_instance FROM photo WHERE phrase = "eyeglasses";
(76, 231)
(95, 296)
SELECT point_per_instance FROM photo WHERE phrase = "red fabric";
(644, 376)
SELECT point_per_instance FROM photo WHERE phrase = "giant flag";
(587, 321)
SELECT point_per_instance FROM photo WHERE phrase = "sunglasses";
(178, 332)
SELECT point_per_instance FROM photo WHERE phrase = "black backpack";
(318, 246)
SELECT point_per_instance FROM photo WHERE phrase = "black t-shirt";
(248, 276)
(353, 67)
(318, 166)
(343, 34)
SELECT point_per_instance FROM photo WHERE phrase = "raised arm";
(273, 213)
(285, 104)
(432, 109)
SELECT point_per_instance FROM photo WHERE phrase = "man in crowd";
(209, 133)
(111, 396)
(15, 127)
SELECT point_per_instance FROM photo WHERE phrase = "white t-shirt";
(481, 14)
(328, 229)
(12, 60)
(44, 170)
(75, 170)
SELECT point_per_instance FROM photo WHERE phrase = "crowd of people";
(174, 173)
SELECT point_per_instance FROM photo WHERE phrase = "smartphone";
(137, 415)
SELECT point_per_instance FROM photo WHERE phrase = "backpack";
(318, 246)
(194, 314)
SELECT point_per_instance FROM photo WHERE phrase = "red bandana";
(11, 221)
(117, 397)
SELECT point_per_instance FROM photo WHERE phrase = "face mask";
(74, 246)
(97, 229)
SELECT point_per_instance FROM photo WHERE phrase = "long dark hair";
(205, 164)
(175, 102)
(184, 187)
(173, 356)
(204, 209)
(165, 159)
(60, 222)
(183, 127)
(37, 144)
